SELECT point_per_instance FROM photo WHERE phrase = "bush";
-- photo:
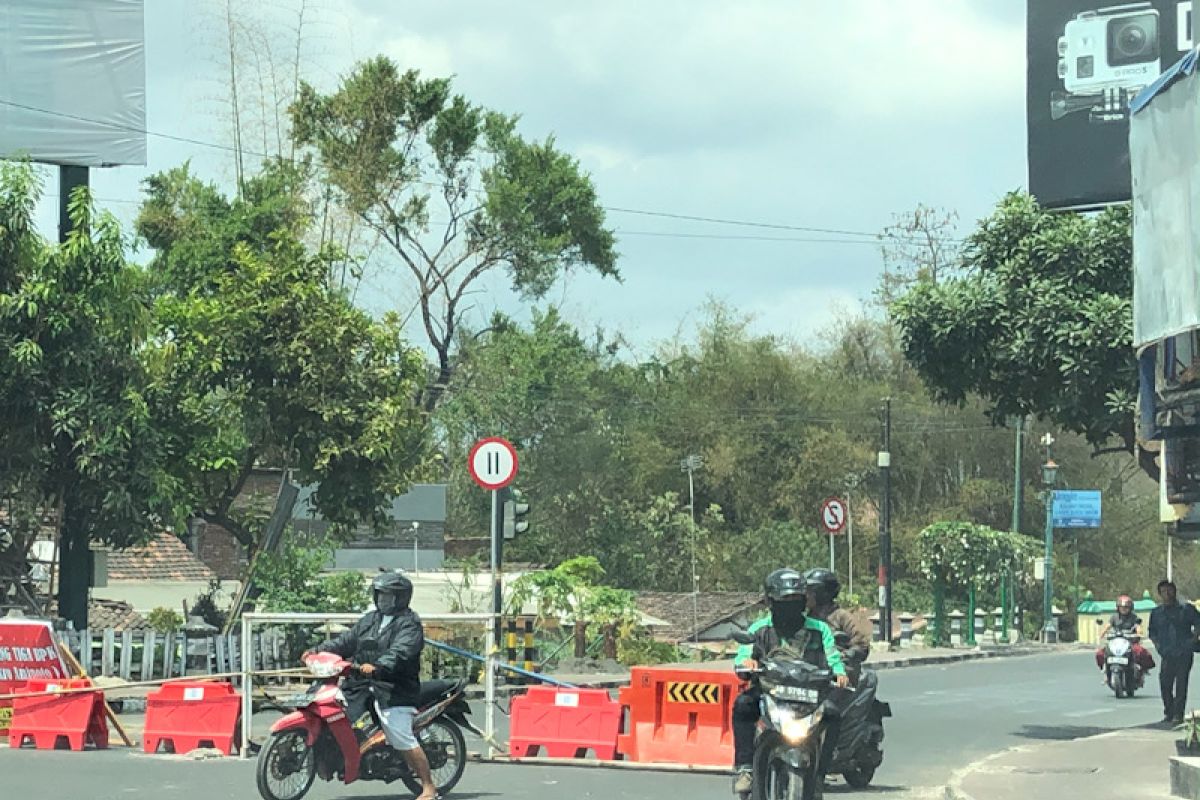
(165, 620)
(291, 580)
(640, 649)
(205, 606)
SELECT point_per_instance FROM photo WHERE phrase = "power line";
(867, 237)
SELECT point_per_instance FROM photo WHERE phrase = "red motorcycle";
(335, 733)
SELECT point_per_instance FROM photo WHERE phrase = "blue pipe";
(475, 657)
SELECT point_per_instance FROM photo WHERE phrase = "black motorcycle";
(791, 726)
(859, 750)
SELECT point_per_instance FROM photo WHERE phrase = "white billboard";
(73, 81)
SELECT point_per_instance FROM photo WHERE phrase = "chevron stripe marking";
(693, 693)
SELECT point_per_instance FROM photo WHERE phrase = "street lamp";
(690, 465)
(1049, 479)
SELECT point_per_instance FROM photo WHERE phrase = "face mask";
(787, 617)
(387, 603)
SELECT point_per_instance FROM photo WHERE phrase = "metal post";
(850, 543)
(690, 465)
(489, 684)
(497, 556)
(832, 555)
(885, 528)
(1049, 629)
(247, 685)
(1170, 564)
(971, 615)
(1018, 503)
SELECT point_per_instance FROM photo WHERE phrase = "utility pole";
(885, 528)
(850, 540)
(74, 556)
(1018, 502)
(690, 465)
(1049, 478)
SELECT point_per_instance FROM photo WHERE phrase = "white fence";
(145, 655)
(249, 661)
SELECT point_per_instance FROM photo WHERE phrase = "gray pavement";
(947, 717)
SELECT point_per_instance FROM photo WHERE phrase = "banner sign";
(28, 651)
(1086, 60)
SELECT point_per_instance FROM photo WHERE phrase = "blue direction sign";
(1076, 509)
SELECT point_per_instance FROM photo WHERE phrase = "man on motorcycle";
(822, 589)
(786, 624)
(1125, 621)
(393, 668)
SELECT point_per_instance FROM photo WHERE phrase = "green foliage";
(292, 580)
(967, 554)
(258, 357)
(1041, 323)
(165, 620)
(419, 164)
(640, 649)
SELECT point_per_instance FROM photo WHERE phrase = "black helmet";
(782, 584)
(396, 585)
(825, 582)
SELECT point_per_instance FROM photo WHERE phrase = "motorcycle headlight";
(1119, 647)
(792, 726)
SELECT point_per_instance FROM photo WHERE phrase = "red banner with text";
(28, 651)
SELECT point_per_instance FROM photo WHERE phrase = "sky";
(823, 115)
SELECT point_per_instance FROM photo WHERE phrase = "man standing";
(1173, 630)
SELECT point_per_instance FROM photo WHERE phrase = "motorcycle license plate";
(1118, 660)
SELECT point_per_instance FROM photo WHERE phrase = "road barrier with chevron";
(692, 692)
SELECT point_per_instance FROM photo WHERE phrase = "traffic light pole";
(497, 561)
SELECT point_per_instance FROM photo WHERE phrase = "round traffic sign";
(833, 515)
(493, 463)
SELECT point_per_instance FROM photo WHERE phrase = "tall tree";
(1041, 324)
(260, 359)
(454, 191)
(73, 324)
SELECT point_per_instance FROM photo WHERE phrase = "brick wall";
(217, 547)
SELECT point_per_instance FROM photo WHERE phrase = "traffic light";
(515, 509)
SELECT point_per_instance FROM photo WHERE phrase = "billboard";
(73, 78)
(1086, 60)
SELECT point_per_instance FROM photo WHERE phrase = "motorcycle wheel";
(859, 777)
(775, 779)
(1118, 684)
(286, 767)
(446, 750)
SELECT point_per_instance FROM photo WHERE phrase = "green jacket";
(820, 651)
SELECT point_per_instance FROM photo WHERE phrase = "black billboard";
(1087, 60)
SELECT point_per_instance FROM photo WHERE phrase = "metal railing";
(249, 620)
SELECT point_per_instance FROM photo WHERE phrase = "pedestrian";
(1173, 629)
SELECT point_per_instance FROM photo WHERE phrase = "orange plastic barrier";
(565, 723)
(186, 715)
(679, 716)
(77, 718)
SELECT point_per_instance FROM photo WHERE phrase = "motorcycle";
(859, 750)
(333, 732)
(1121, 669)
(791, 726)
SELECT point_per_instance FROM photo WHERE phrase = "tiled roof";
(113, 614)
(164, 558)
(675, 609)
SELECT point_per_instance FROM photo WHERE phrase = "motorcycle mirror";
(741, 637)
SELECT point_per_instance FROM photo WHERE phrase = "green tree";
(78, 433)
(454, 191)
(1041, 323)
(260, 358)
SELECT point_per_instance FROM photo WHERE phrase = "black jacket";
(398, 659)
(1173, 629)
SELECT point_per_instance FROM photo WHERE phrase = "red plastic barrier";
(565, 723)
(187, 715)
(78, 718)
(679, 716)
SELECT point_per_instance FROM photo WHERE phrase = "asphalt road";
(945, 718)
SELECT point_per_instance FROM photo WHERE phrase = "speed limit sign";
(833, 515)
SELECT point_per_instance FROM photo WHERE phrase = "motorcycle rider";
(1125, 621)
(823, 588)
(393, 669)
(786, 623)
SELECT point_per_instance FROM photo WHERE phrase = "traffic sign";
(833, 515)
(493, 463)
(1075, 509)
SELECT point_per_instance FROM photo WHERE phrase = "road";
(945, 718)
